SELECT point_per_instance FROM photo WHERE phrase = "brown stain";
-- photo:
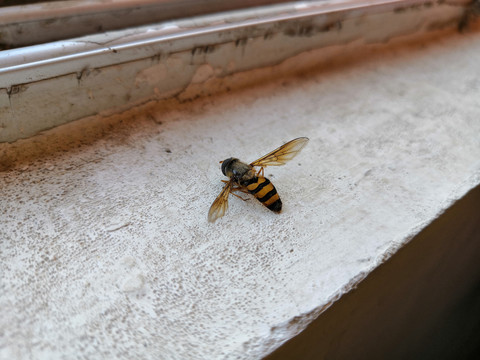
(200, 50)
(16, 89)
(417, 7)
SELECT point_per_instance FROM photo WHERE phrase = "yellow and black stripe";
(265, 192)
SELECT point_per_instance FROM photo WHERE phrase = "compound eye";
(225, 165)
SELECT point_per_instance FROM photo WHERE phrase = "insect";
(244, 178)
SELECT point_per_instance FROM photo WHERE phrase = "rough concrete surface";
(105, 248)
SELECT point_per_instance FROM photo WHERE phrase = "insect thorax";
(237, 170)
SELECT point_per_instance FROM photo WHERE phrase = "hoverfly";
(244, 178)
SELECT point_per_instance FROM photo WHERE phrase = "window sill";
(48, 85)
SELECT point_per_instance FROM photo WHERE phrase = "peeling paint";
(203, 73)
(207, 49)
(308, 29)
(17, 89)
(151, 75)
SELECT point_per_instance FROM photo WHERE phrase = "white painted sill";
(105, 246)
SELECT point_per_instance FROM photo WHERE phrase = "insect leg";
(238, 188)
(260, 171)
(238, 196)
(241, 190)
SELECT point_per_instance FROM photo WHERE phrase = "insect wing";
(283, 154)
(220, 205)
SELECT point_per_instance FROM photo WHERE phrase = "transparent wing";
(220, 205)
(283, 154)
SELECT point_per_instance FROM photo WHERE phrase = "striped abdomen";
(265, 192)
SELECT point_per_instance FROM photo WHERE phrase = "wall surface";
(105, 248)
